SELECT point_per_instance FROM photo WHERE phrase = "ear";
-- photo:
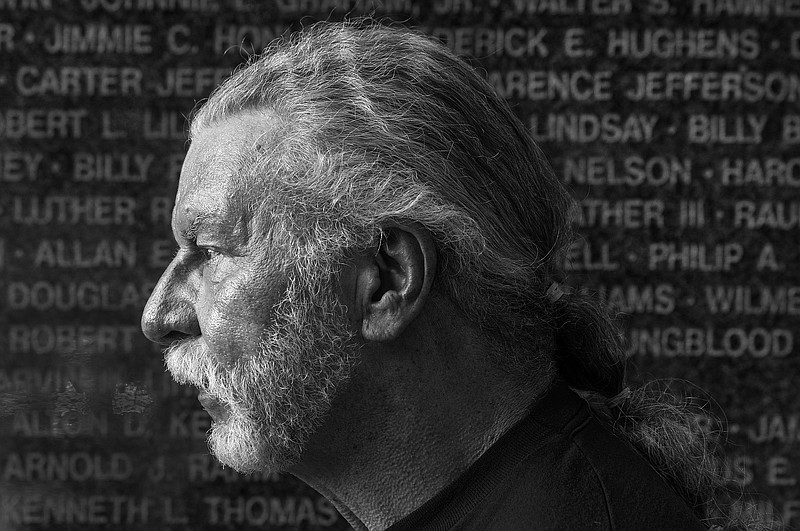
(393, 285)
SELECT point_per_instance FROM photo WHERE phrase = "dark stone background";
(92, 433)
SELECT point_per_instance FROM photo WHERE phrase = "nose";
(170, 312)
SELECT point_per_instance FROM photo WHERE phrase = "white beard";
(278, 396)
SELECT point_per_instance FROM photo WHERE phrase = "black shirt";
(559, 468)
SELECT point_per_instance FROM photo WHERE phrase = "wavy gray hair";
(376, 124)
(380, 124)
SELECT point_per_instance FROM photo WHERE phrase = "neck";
(409, 423)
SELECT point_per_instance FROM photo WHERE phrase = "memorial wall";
(675, 123)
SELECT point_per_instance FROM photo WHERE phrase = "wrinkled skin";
(267, 343)
(259, 325)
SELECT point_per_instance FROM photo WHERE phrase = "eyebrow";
(203, 218)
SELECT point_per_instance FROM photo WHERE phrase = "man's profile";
(368, 294)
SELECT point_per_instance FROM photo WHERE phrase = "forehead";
(213, 177)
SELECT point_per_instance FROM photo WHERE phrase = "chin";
(239, 444)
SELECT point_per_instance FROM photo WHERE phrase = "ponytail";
(669, 431)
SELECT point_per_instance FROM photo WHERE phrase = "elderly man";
(368, 295)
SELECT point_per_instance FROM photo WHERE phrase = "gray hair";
(378, 124)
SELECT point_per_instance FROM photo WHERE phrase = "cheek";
(234, 312)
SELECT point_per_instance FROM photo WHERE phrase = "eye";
(209, 253)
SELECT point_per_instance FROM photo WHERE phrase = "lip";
(214, 407)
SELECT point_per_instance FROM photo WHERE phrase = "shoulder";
(578, 475)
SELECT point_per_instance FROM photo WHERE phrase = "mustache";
(190, 363)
